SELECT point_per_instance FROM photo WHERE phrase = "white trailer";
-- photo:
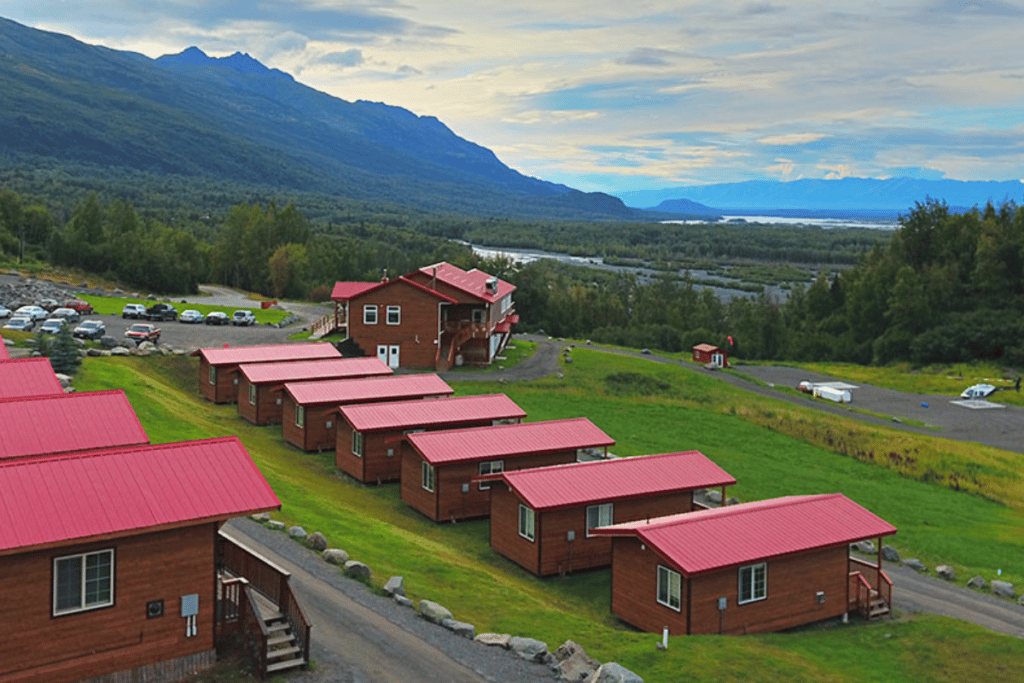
(832, 394)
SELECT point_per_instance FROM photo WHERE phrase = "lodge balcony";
(255, 601)
(328, 324)
(869, 591)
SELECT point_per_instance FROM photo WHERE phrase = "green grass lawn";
(107, 305)
(646, 408)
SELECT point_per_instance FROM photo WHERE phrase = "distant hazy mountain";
(857, 195)
(233, 118)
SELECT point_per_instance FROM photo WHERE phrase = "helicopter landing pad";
(977, 405)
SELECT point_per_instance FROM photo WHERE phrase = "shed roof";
(374, 286)
(473, 282)
(329, 368)
(697, 542)
(707, 348)
(367, 389)
(608, 480)
(20, 377)
(508, 441)
(413, 414)
(346, 290)
(229, 355)
(54, 501)
(63, 423)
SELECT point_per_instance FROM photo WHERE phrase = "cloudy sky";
(618, 96)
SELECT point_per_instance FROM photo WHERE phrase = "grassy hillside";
(647, 409)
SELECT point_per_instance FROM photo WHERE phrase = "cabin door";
(718, 359)
(388, 355)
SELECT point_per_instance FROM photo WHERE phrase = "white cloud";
(792, 138)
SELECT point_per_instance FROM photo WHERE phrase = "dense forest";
(946, 287)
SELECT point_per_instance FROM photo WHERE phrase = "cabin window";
(526, 522)
(669, 588)
(83, 582)
(300, 416)
(394, 315)
(213, 374)
(357, 443)
(427, 476)
(252, 394)
(753, 583)
(478, 315)
(370, 315)
(598, 515)
(490, 467)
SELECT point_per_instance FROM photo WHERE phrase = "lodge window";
(427, 476)
(490, 467)
(526, 522)
(357, 443)
(753, 583)
(370, 315)
(252, 394)
(669, 588)
(300, 416)
(394, 315)
(478, 315)
(599, 515)
(83, 582)
(213, 374)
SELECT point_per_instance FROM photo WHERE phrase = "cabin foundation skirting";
(161, 672)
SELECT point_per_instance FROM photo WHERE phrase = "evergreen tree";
(63, 352)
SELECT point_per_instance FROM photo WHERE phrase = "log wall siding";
(267, 410)
(793, 582)
(292, 434)
(225, 390)
(413, 493)
(162, 565)
(416, 336)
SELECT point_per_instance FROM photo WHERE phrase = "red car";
(140, 332)
(83, 307)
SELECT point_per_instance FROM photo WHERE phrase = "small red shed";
(218, 367)
(261, 385)
(438, 467)
(370, 435)
(64, 423)
(310, 409)
(707, 354)
(21, 377)
(748, 568)
(543, 518)
(117, 573)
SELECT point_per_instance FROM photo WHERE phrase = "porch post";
(878, 574)
(723, 495)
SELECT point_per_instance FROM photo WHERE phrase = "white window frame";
(490, 467)
(357, 443)
(479, 315)
(252, 394)
(527, 523)
(670, 590)
(753, 583)
(213, 375)
(300, 416)
(427, 476)
(83, 604)
(397, 311)
(370, 314)
(602, 514)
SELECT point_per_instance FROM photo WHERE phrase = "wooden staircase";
(283, 651)
(877, 606)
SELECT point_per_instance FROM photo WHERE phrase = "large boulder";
(866, 547)
(946, 572)
(915, 564)
(494, 639)
(977, 582)
(357, 570)
(890, 554)
(276, 525)
(395, 586)
(120, 351)
(611, 672)
(431, 611)
(529, 649)
(317, 541)
(297, 532)
(573, 663)
(460, 628)
(65, 380)
(403, 601)
(261, 517)
(1003, 588)
(335, 556)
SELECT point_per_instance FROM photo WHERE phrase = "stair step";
(287, 664)
(278, 640)
(283, 652)
(279, 626)
(274, 616)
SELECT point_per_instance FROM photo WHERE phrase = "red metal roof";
(3, 350)
(401, 281)
(228, 355)
(21, 377)
(50, 501)
(363, 390)
(346, 290)
(62, 423)
(331, 368)
(367, 417)
(508, 441)
(706, 347)
(607, 480)
(473, 282)
(697, 542)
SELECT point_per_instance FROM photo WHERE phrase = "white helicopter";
(980, 391)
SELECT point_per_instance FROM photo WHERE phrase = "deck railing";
(864, 573)
(326, 324)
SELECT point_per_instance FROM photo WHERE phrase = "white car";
(4, 311)
(21, 324)
(243, 317)
(53, 325)
(33, 313)
(191, 316)
(133, 311)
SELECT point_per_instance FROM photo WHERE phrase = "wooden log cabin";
(438, 467)
(218, 367)
(543, 518)
(261, 385)
(21, 377)
(370, 436)
(749, 568)
(310, 409)
(92, 589)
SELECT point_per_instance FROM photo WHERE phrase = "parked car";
(4, 311)
(141, 332)
(243, 317)
(90, 329)
(806, 386)
(161, 312)
(83, 307)
(21, 324)
(53, 325)
(133, 311)
(48, 304)
(33, 312)
(191, 316)
(69, 314)
(217, 318)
